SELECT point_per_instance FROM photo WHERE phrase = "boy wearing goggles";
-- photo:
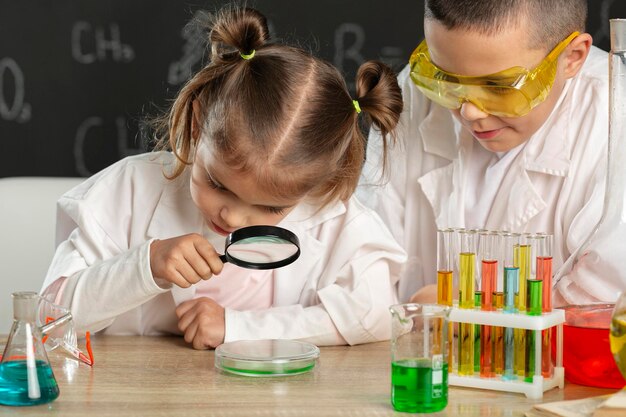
(505, 127)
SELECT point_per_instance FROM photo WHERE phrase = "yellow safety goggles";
(510, 93)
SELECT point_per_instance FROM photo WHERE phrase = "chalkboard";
(77, 78)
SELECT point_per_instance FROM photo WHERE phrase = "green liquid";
(417, 388)
(261, 372)
(14, 383)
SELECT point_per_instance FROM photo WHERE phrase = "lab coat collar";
(303, 221)
(438, 132)
(545, 154)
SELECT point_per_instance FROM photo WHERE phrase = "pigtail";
(380, 98)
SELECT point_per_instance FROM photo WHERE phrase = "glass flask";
(618, 334)
(26, 377)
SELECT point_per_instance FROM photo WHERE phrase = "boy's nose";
(471, 112)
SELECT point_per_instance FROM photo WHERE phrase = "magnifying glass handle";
(223, 258)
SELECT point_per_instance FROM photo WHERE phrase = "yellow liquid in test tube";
(467, 273)
(444, 297)
(522, 261)
(444, 288)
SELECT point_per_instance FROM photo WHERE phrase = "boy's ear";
(195, 124)
(576, 53)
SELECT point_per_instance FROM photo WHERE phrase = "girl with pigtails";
(264, 134)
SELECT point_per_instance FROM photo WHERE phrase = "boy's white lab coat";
(555, 185)
(337, 292)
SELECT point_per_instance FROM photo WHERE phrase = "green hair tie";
(357, 107)
(248, 56)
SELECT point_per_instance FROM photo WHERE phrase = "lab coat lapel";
(176, 215)
(443, 186)
(516, 202)
(519, 198)
(290, 280)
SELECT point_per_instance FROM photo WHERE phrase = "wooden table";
(162, 376)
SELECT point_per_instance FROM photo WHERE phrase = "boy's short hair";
(549, 21)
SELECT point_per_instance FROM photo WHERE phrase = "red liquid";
(488, 286)
(587, 357)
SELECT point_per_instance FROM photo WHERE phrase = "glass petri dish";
(266, 358)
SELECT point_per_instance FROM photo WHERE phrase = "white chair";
(27, 227)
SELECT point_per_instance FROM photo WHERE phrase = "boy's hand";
(184, 260)
(202, 322)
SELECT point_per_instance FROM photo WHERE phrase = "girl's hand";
(184, 260)
(202, 322)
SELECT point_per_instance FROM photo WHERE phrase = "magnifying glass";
(261, 247)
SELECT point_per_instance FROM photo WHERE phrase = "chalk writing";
(81, 142)
(193, 50)
(14, 108)
(90, 44)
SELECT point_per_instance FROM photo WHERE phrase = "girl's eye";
(213, 184)
(274, 210)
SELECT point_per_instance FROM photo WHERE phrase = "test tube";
(478, 352)
(467, 269)
(544, 273)
(497, 338)
(544, 270)
(523, 262)
(488, 245)
(488, 248)
(510, 241)
(467, 273)
(445, 268)
(533, 309)
(510, 244)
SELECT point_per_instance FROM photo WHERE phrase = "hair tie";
(248, 56)
(357, 107)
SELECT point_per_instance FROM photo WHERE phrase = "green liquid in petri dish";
(14, 383)
(262, 372)
(417, 388)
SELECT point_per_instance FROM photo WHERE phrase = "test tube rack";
(539, 385)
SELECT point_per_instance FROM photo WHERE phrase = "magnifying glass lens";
(261, 249)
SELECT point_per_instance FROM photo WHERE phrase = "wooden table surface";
(162, 376)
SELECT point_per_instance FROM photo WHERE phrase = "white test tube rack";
(540, 384)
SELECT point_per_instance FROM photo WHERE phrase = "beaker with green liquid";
(26, 377)
(419, 357)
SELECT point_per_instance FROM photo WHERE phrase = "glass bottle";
(26, 377)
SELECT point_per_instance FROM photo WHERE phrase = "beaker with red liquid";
(587, 354)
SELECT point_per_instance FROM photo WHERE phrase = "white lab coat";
(555, 185)
(337, 292)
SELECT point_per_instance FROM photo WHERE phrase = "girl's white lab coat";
(337, 292)
(555, 185)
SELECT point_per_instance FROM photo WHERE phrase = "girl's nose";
(471, 112)
(234, 217)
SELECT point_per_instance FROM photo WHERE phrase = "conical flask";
(26, 377)
(605, 250)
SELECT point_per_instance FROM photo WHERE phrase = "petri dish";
(266, 358)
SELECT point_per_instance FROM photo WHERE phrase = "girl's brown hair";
(281, 115)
